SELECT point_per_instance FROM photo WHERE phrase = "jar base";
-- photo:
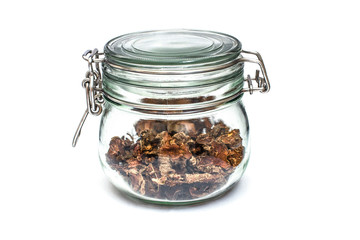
(178, 202)
(117, 181)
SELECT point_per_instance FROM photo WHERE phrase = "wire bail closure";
(263, 84)
(93, 89)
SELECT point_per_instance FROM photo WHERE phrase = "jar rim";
(173, 70)
(178, 51)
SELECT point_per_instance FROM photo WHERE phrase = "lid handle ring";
(93, 89)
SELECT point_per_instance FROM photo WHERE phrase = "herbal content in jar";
(176, 160)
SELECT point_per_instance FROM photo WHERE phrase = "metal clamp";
(263, 84)
(93, 89)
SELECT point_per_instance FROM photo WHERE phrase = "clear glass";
(148, 181)
(174, 129)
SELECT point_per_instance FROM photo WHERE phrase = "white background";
(303, 178)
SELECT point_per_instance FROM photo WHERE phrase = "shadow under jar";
(173, 127)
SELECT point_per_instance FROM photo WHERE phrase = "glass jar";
(173, 129)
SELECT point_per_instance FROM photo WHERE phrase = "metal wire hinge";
(263, 84)
(93, 89)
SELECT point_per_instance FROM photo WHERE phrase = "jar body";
(173, 128)
(174, 158)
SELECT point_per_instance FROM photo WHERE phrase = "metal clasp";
(263, 84)
(93, 89)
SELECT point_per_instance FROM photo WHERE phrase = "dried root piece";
(219, 129)
(186, 127)
(236, 155)
(232, 139)
(155, 125)
(120, 149)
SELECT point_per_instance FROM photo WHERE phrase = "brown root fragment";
(231, 139)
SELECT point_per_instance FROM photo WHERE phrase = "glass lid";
(182, 48)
